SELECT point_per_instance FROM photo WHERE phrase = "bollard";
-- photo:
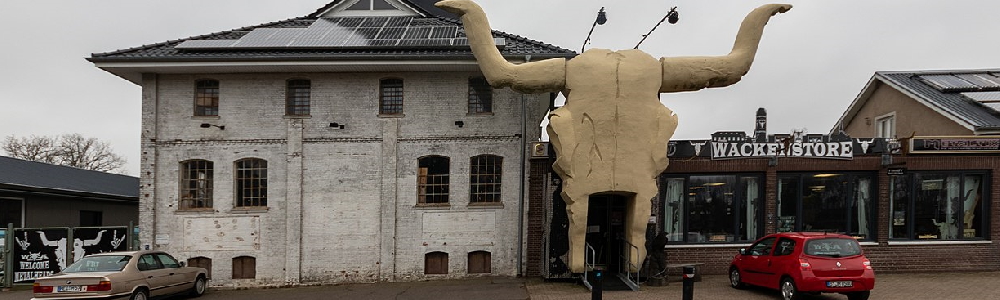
(598, 286)
(688, 283)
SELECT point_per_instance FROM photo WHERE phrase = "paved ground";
(950, 286)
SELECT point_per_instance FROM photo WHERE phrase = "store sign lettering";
(954, 145)
(833, 150)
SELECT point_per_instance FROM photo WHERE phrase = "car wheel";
(788, 290)
(199, 287)
(859, 295)
(139, 294)
(735, 280)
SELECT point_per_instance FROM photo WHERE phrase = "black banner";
(98, 240)
(38, 252)
(956, 144)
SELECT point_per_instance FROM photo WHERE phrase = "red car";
(805, 263)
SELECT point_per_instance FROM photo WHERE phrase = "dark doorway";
(606, 230)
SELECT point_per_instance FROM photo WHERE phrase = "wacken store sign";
(835, 150)
(735, 145)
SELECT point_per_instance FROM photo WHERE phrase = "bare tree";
(72, 150)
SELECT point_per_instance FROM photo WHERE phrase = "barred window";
(485, 173)
(206, 98)
(480, 96)
(251, 182)
(432, 180)
(196, 184)
(297, 94)
(390, 96)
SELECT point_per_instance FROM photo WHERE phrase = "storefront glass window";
(826, 202)
(712, 208)
(943, 206)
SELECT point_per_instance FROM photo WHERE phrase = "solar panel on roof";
(444, 32)
(983, 96)
(984, 81)
(202, 44)
(947, 83)
(398, 21)
(374, 22)
(391, 33)
(417, 33)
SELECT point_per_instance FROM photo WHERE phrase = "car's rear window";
(832, 247)
(99, 263)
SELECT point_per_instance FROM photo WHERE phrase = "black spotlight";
(673, 17)
(602, 17)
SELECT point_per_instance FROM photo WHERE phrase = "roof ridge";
(164, 43)
(514, 36)
(328, 6)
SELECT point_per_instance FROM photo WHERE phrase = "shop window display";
(826, 202)
(938, 206)
(712, 208)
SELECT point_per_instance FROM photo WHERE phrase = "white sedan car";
(137, 275)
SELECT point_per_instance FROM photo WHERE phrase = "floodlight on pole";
(602, 17)
(672, 17)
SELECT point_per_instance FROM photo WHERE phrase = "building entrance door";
(606, 233)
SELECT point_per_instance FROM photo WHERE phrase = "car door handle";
(148, 277)
(171, 274)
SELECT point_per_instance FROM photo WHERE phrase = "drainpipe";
(520, 203)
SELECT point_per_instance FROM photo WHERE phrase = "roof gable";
(369, 8)
(954, 94)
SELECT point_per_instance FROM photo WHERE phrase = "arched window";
(206, 97)
(485, 172)
(297, 94)
(201, 262)
(436, 263)
(432, 179)
(244, 267)
(196, 184)
(251, 182)
(480, 96)
(390, 96)
(479, 262)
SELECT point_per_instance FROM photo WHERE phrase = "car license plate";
(835, 284)
(69, 288)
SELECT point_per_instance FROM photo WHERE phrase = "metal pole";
(597, 292)
(688, 283)
(8, 263)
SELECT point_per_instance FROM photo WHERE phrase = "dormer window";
(371, 5)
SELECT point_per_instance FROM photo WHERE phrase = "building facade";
(356, 144)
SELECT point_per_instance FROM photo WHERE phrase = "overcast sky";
(811, 64)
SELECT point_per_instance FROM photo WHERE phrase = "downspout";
(520, 203)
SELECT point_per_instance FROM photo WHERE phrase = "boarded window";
(196, 184)
(251, 182)
(479, 262)
(244, 267)
(297, 94)
(480, 96)
(390, 96)
(201, 262)
(432, 179)
(485, 173)
(206, 98)
(436, 263)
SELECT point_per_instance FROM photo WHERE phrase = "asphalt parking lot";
(950, 286)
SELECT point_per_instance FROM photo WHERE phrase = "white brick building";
(357, 143)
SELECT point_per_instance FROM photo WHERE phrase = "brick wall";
(886, 255)
(341, 202)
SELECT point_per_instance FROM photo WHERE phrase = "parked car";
(137, 275)
(799, 263)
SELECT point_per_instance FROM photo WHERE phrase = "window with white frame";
(885, 126)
